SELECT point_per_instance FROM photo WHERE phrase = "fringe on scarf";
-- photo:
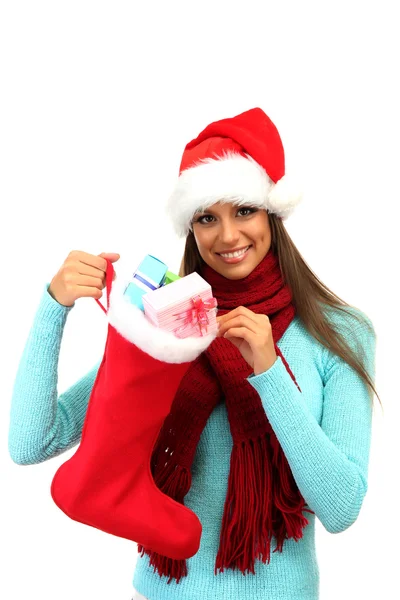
(262, 501)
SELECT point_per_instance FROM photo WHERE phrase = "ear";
(131, 322)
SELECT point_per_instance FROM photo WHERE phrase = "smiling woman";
(232, 240)
(270, 425)
(230, 202)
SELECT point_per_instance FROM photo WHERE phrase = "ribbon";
(146, 280)
(196, 315)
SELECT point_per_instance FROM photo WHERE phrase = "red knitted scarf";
(263, 499)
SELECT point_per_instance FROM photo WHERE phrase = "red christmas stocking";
(107, 483)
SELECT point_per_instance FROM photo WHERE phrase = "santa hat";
(240, 160)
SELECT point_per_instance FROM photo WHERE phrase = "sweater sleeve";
(329, 461)
(43, 425)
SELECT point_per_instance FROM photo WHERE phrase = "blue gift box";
(148, 276)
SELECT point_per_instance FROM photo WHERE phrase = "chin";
(238, 272)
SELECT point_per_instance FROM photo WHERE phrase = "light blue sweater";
(325, 433)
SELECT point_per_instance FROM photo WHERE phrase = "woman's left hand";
(251, 334)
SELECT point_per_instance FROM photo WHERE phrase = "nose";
(228, 233)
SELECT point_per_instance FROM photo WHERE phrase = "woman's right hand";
(81, 275)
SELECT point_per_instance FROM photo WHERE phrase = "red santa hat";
(240, 160)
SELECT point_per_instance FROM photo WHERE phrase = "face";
(224, 227)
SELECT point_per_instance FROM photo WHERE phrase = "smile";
(234, 257)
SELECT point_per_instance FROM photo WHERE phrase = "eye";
(245, 208)
(200, 219)
(249, 208)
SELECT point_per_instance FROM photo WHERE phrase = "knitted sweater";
(324, 431)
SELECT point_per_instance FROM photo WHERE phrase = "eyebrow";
(209, 210)
(206, 210)
(237, 206)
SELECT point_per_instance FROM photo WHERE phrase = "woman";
(274, 418)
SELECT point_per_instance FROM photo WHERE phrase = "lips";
(237, 250)
(233, 260)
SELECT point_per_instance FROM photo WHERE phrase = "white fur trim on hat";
(131, 322)
(284, 196)
(230, 178)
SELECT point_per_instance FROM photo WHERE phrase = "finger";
(84, 269)
(239, 310)
(239, 321)
(233, 321)
(240, 332)
(89, 281)
(112, 256)
(92, 260)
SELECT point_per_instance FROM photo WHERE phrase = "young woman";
(272, 425)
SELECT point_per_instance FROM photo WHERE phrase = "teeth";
(233, 254)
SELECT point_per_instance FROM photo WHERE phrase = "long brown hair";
(309, 294)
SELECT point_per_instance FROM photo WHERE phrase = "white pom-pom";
(284, 196)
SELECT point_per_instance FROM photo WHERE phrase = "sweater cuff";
(49, 310)
(274, 382)
(257, 379)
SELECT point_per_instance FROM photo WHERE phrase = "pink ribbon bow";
(196, 315)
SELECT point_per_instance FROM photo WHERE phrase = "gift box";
(170, 277)
(149, 275)
(185, 307)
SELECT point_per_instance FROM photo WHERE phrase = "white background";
(98, 100)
